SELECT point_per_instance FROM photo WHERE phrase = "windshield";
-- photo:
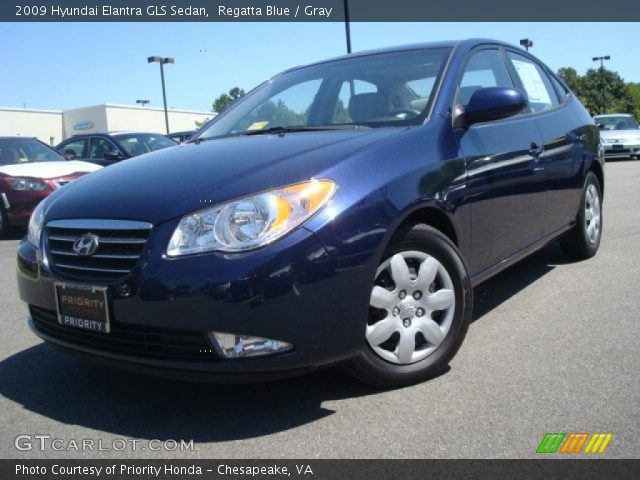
(617, 123)
(15, 151)
(371, 91)
(139, 143)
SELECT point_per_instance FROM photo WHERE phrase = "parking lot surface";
(554, 347)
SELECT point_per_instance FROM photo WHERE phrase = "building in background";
(53, 126)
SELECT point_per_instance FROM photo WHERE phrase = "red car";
(29, 171)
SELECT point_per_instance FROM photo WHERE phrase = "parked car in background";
(181, 137)
(108, 148)
(29, 171)
(339, 213)
(619, 135)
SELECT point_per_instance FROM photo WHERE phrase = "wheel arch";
(598, 171)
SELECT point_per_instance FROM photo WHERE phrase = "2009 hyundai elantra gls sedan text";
(340, 212)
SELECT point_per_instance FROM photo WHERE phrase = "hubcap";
(412, 306)
(592, 215)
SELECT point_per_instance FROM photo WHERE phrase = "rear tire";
(423, 302)
(583, 240)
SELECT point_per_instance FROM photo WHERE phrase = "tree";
(569, 76)
(226, 99)
(603, 91)
(634, 92)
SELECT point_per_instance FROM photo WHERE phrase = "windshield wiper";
(283, 130)
(304, 128)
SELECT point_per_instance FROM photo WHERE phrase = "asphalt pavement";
(554, 347)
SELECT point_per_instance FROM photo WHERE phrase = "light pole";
(347, 27)
(526, 43)
(162, 61)
(601, 60)
(142, 102)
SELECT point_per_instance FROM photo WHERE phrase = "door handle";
(536, 151)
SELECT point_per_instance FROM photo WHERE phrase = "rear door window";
(535, 83)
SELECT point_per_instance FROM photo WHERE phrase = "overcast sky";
(69, 65)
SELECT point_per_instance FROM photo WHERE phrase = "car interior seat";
(364, 107)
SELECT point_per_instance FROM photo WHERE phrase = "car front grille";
(129, 339)
(120, 244)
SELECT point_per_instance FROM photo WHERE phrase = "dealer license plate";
(83, 307)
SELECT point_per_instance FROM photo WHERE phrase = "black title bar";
(319, 11)
(319, 469)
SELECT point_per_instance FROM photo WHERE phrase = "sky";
(59, 66)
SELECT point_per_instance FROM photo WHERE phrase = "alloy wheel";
(411, 307)
(592, 216)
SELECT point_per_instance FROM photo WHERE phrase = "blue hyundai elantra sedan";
(340, 212)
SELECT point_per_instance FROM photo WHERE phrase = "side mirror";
(113, 157)
(69, 154)
(487, 104)
(600, 126)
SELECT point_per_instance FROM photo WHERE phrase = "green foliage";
(200, 123)
(569, 76)
(602, 91)
(276, 113)
(634, 92)
(226, 99)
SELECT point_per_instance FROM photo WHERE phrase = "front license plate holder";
(83, 307)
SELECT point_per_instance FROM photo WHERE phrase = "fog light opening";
(231, 345)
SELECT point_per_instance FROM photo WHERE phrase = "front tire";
(420, 309)
(583, 240)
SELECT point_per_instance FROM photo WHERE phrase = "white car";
(29, 171)
(619, 135)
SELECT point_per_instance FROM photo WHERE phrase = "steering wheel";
(402, 113)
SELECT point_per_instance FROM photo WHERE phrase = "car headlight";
(250, 222)
(35, 225)
(28, 184)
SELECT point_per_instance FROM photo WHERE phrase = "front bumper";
(293, 291)
(621, 150)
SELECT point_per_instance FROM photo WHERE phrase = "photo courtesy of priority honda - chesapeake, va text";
(339, 213)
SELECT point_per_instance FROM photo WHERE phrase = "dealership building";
(53, 126)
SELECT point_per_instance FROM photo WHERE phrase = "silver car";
(619, 135)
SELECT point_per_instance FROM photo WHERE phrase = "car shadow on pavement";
(506, 284)
(73, 392)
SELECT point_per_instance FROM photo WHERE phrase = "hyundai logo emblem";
(86, 244)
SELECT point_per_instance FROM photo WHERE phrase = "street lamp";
(526, 43)
(142, 102)
(162, 61)
(347, 27)
(601, 60)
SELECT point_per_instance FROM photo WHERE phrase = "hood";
(48, 170)
(620, 136)
(179, 180)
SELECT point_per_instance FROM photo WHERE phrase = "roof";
(138, 107)
(465, 44)
(30, 110)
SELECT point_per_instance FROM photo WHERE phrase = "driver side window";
(484, 69)
(99, 147)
